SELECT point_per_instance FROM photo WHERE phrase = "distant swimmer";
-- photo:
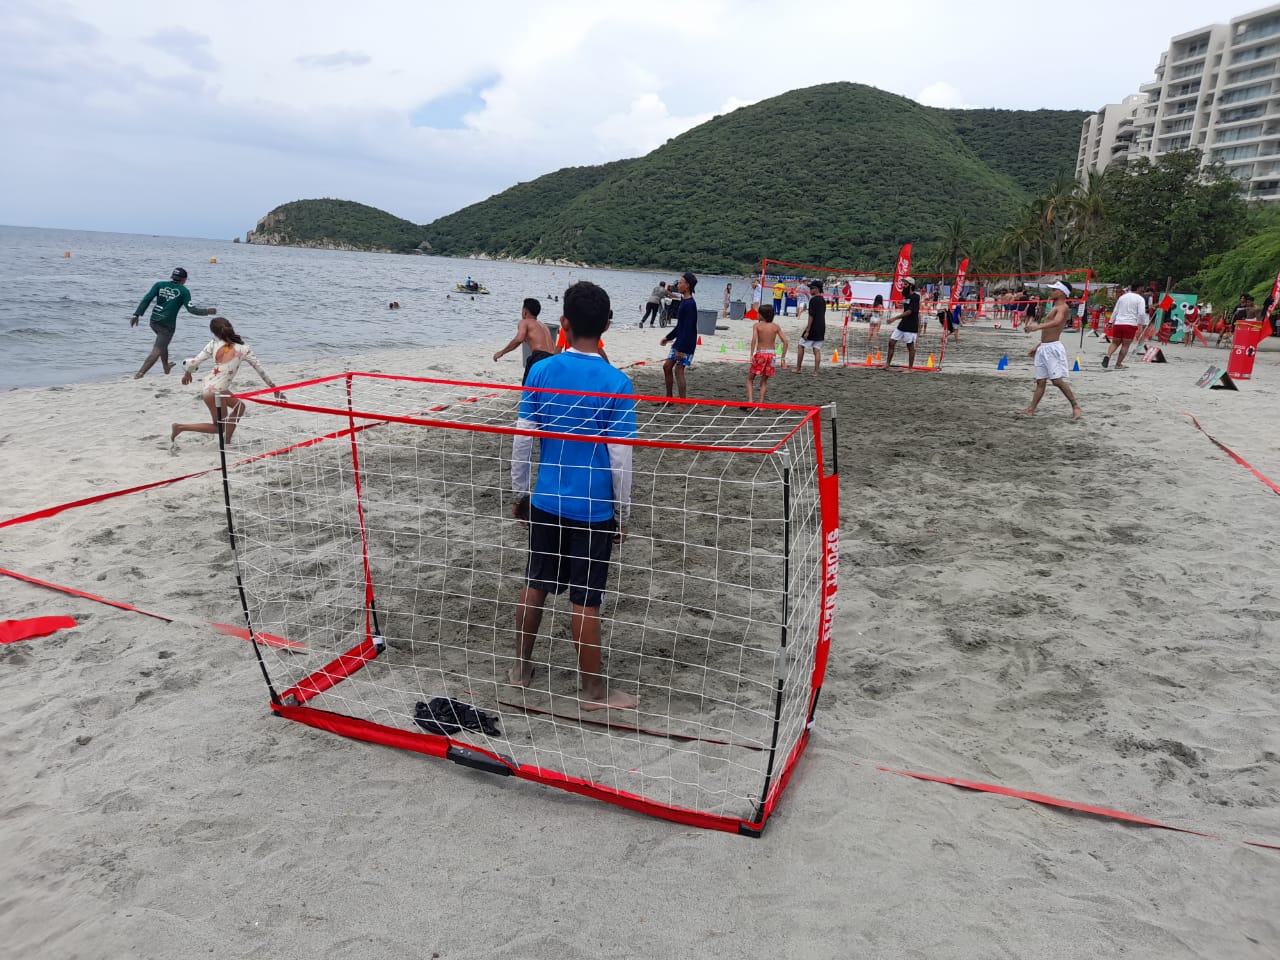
(170, 296)
(533, 332)
(227, 349)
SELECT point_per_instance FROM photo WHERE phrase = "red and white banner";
(1267, 326)
(903, 269)
(958, 286)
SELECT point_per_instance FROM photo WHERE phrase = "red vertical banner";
(959, 284)
(902, 269)
(1267, 326)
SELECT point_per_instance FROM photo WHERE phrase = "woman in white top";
(228, 351)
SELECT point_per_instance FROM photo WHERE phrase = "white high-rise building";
(1107, 135)
(1217, 89)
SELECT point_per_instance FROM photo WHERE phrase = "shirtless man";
(1051, 356)
(533, 332)
(765, 335)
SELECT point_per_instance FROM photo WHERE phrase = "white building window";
(1238, 133)
(1246, 152)
(1251, 92)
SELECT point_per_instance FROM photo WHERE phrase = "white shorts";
(903, 337)
(1051, 361)
(811, 344)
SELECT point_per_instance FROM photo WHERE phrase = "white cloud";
(941, 94)
(261, 106)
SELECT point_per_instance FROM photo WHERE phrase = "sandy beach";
(1086, 610)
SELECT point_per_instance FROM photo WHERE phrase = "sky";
(120, 117)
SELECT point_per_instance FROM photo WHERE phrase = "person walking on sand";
(685, 336)
(228, 351)
(170, 296)
(654, 304)
(765, 335)
(908, 329)
(1051, 356)
(1127, 318)
(877, 317)
(581, 501)
(815, 331)
(530, 331)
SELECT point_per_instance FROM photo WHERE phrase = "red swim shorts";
(1123, 333)
(762, 364)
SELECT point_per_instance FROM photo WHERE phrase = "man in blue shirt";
(685, 335)
(581, 500)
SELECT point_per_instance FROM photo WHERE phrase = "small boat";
(463, 288)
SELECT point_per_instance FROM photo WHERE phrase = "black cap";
(178, 274)
(815, 284)
(690, 279)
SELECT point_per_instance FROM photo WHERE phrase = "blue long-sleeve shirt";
(686, 332)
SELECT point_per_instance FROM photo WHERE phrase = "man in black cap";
(170, 296)
(685, 336)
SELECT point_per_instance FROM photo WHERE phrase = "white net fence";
(397, 525)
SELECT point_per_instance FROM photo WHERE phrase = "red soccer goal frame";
(292, 702)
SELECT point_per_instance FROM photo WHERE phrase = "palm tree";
(1089, 214)
(955, 243)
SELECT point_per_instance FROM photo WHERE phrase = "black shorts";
(570, 554)
(533, 358)
(163, 335)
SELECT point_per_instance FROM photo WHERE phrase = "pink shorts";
(762, 364)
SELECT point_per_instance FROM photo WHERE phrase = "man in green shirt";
(170, 296)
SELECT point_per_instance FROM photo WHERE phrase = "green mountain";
(838, 174)
(1027, 146)
(336, 225)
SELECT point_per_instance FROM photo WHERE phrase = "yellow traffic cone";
(930, 366)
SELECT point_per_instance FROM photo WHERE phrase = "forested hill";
(336, 225)
(1027, 146)
(837, 174)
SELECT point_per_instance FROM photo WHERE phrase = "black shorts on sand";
(533, 358)
(570, 554)
(163, 335)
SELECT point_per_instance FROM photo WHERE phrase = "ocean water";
(66, 319)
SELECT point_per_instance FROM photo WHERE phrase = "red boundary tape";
(1235, 456)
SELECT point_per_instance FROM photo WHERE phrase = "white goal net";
(371, 518)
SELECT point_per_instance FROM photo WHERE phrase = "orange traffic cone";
(699, 341)
(930, 366)
(835, 356)
(878, 360)
(868, 359)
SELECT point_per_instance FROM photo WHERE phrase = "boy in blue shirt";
(685, 335)
(582, 498)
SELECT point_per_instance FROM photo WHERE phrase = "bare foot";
(138, 375)
(1076, 413)
(1029, 412)
(169, 366)
(173, 433)
(617, 700)
(520, 675)
(1121, 366)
